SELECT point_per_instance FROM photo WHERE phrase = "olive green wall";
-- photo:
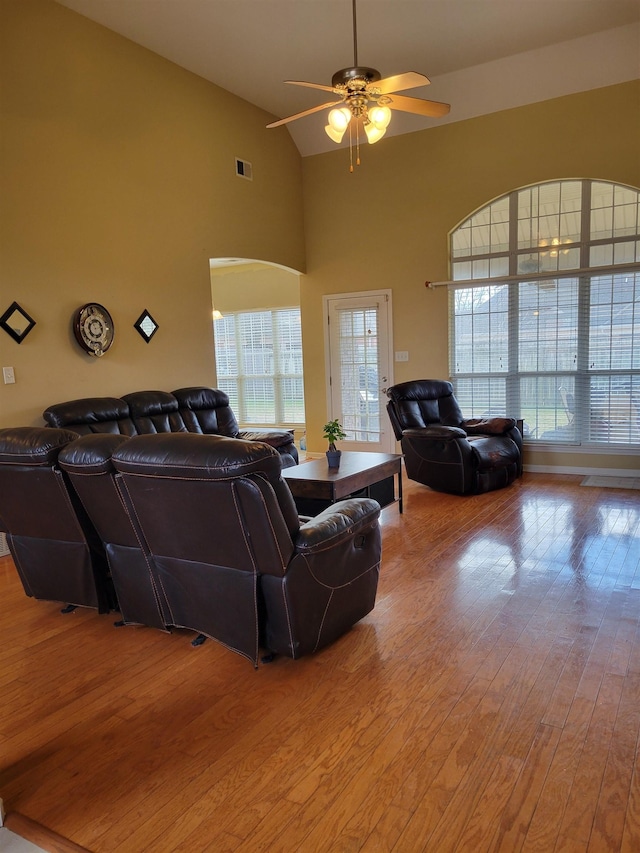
(117, 185)
(387, 224)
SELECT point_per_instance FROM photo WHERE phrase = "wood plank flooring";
(490, 702)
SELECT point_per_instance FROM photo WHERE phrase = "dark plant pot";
(333, 458)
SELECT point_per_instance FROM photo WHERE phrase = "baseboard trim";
(582, 472)
(40, 835)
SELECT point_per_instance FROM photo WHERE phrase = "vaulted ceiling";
(480, 55)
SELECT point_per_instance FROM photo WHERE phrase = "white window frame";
(236, 383)
(512, 252)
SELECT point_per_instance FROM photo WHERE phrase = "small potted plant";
(333, 432)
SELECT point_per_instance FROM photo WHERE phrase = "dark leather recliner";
(207, 410)
(229, 552)
(154, 411)
(55, 547)
(88, 464)
(444, 451)
(92, 415)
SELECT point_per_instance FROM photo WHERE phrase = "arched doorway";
(258, 342)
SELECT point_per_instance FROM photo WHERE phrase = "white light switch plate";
(9, 375)
(402, 355)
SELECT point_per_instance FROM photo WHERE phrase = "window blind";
(259, 365)
(558, 348)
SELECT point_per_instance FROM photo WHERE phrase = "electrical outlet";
(402, 355)
(9, 375)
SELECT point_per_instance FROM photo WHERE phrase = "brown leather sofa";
(198, 409)
(444, 451)
(229, 552)
(190, 530)
(55, 547)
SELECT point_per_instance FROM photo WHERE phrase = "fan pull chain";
(357, 124)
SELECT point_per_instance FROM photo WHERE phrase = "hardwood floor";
(490, 702)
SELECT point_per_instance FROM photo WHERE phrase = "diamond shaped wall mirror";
(16, 322)
(146, 325)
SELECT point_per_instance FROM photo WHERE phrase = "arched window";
(545, 311)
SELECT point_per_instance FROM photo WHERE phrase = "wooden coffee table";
(314, 485)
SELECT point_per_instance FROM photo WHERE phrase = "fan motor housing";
(346, 76)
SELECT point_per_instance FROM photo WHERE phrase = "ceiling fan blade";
(311, 85)
(434, 109)
(303, 113)
(400, 82)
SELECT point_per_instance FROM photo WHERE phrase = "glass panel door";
(359, 370)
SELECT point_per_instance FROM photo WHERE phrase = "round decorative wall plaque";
(93, 328)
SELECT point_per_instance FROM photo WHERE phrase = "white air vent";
(244, 169)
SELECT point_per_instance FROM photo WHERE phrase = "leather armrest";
(488, 426)
(435, 432)
(274, 437)
(335, 524)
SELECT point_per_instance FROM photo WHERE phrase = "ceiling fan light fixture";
(338, 122)
(380, 116)
(339, 119)
(333, 134)
(374, 132)
(365, 96)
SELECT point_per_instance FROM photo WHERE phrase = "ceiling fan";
(365, 100)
